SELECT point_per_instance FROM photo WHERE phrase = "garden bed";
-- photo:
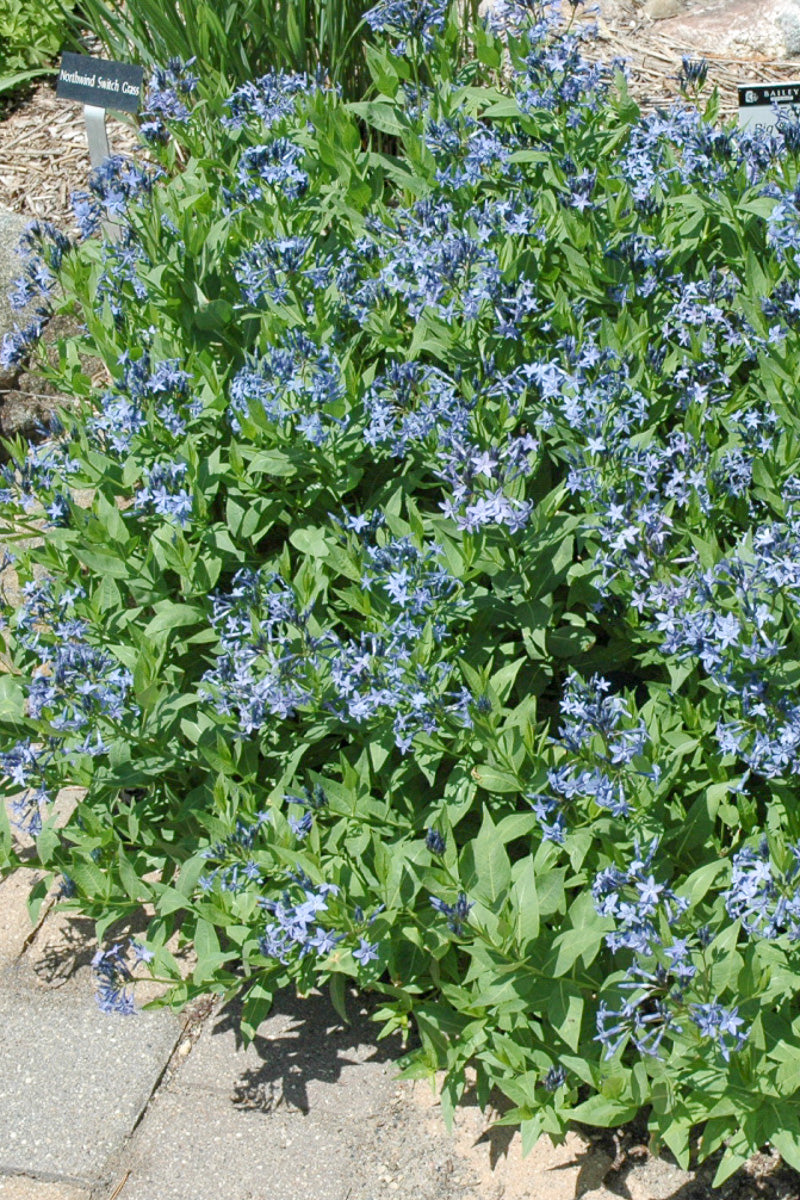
(432, 625)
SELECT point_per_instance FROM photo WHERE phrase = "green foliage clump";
(434, 621)
(31, 34)
(238, 40)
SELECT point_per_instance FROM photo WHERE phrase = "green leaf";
(337, 991)
(12, 698)
(496, 779)
(525, 903)
(313, 541)
(486, 870)
(255, 1009)
(173, 616)
(604, 1111)
(565, 1012)
(730, 1162)
(531, 1131)
(170, 900)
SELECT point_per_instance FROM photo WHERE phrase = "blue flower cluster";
(296, 929)
(271, 663)
(112, 978)
(765, 899)
(313, 800)
(168, 88)
(268, 99)
(39, 477)
(43, 246)
(126, 407)
(237, 870)
(26, 766)
(263, 668)
(76, 688)
(664, 965)
(413, 408)
(112, 187)
(293, 386)
(729, 618)
(163, 494)
(275, 166)
(407, 20)
(600, 754)
(456, 913)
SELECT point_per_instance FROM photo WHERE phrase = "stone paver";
(310, 1111)
(303, 1059)
(186, 1145)
(313, 1110)
(22, 1187)
(74, 1080)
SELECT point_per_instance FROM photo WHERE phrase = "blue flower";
(163, 495)
(435, 841)
(366, 952)
(274, 165)
(720, 1025)
(456, 913)
(111, 976)
(417, 21)
(167, 88)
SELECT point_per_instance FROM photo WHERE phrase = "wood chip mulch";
(44, 156)
(654, 61)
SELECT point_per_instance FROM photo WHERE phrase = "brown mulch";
(44, 156)
(654, 59)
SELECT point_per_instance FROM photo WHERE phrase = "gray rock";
(11, 227)
(661, 10)
(789, 23)
(728, 28)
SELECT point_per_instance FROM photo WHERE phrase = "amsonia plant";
(434, 623)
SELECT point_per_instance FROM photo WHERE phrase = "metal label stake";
(99, 151)
(96, 134)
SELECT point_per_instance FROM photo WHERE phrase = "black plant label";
(99, 82)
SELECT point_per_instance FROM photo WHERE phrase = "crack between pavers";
(74, 1181)
(191, 1023)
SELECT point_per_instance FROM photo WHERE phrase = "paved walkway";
(161, 1107)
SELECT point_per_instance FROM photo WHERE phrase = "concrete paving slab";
(313, 1110)
(59, 955)
(74, 1081)
(61, 951)
(303, 1059)
(22, 1187)
(196, 1145)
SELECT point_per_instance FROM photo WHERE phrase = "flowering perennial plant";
(432, 620)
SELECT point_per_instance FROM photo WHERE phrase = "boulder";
(755, 29)
(11, 227)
